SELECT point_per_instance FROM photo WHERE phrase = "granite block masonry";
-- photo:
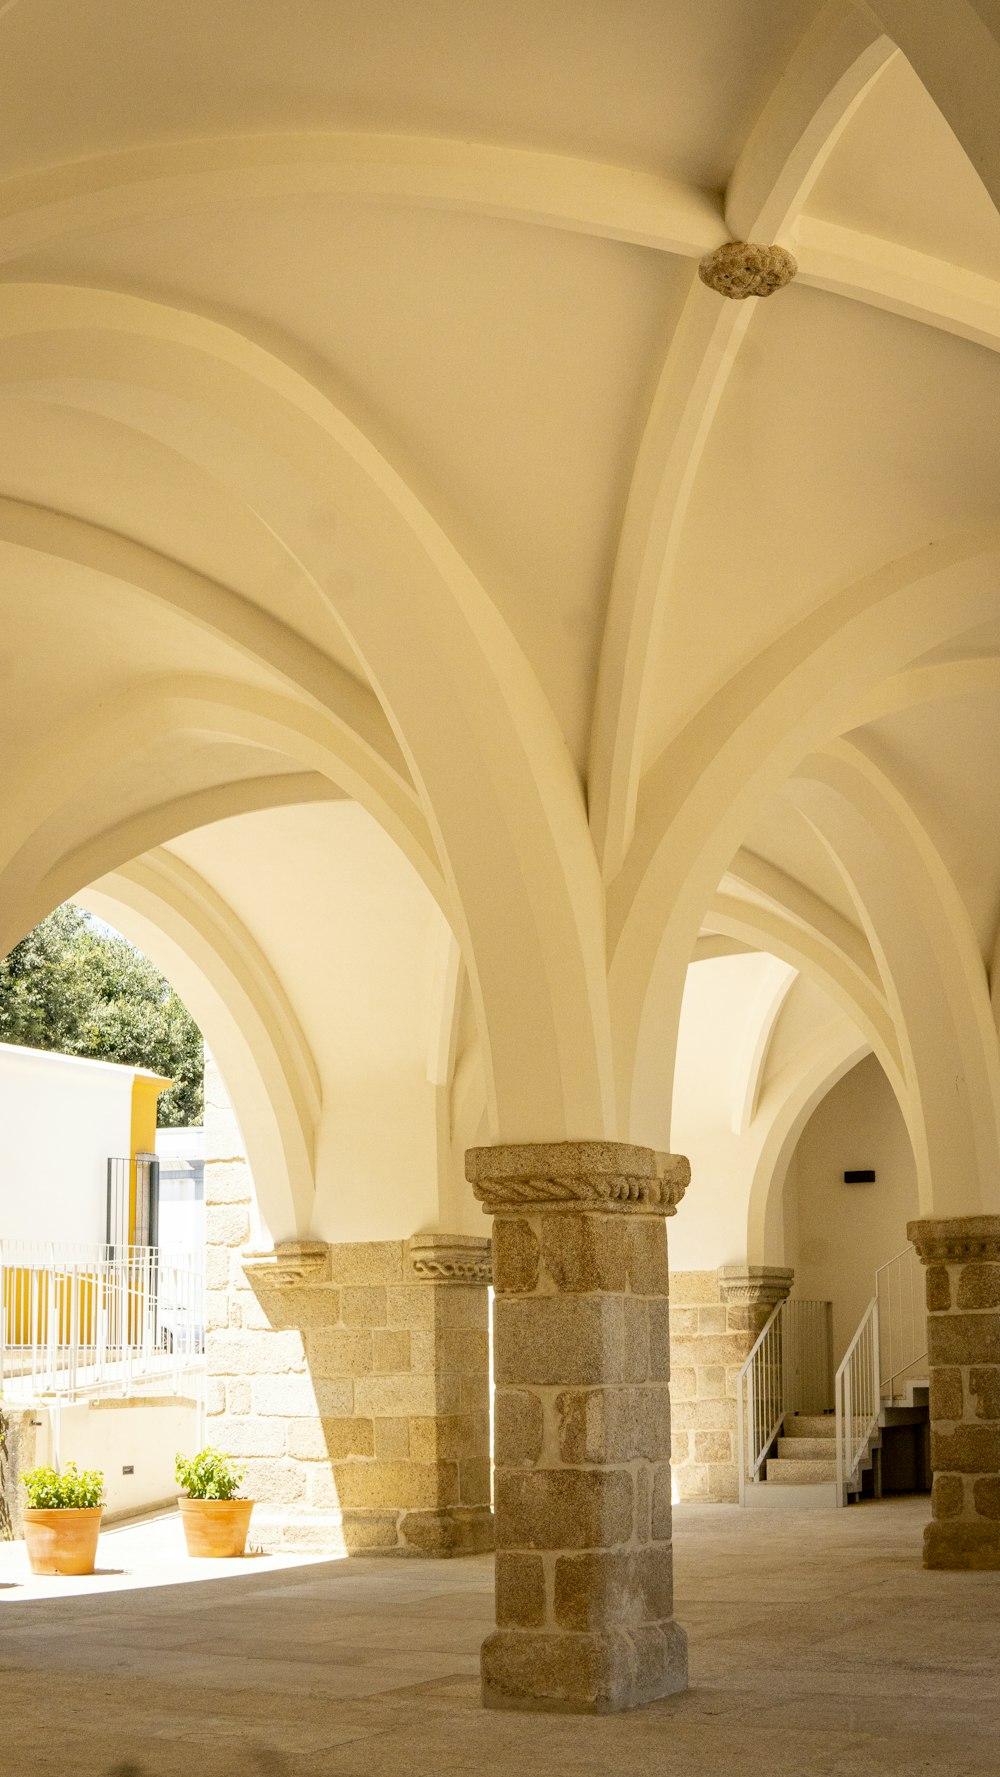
(351, 1379)
(715, 1319)
(584, 1593)
(962, 1259)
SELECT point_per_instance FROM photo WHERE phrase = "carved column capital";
(288, 1264)
(449, 1258)
(955, 1240)
(528, 1177)
(755, 1286)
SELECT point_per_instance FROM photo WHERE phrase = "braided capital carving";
(596, 1175)
(743, 268)
(449, 1258)
(957, 1239)
(288, 1264)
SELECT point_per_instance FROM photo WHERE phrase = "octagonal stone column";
(584, 1585)
(962, 1256)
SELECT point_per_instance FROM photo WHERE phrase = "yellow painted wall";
(146, 1089)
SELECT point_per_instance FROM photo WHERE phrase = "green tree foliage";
(73, 986)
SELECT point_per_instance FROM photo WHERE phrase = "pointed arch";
(196, 939)
(494, 778)
(922, 937)
(702, 795)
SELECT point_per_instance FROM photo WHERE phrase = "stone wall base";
(972, 1547)
(455, 1530)
(584, 1674)
(18, 1451)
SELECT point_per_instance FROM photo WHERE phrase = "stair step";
(793, 1499)
(787, 1472)
(810, 1425)
(804, 1449)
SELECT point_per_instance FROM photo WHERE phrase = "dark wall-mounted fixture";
(864, 1177)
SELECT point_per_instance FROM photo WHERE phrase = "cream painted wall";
(61, 1118)
(836, 1234)
(376, 1158)
(352, 933)
(143, 1433)
(718, 1048)
(710, 1225)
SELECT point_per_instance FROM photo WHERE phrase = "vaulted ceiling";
(366, 432)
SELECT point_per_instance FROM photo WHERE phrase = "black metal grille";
(132, 1181)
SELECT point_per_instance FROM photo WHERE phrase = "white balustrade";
(888, 1350)
(789, 1370)
(96, 1319)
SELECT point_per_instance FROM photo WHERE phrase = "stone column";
(962, 1256)
(584, 1586)
(715, 1318)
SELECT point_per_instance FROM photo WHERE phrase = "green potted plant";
(215, 1521)
(62, 1518)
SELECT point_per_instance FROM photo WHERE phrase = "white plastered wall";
(141, 1434)
(836, 1235)
(748, 1034)
(61, 1119)
(353, 934)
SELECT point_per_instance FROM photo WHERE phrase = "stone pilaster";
(18, 1451)
(582, 1432)
(353, 1380)
(715, 1318)
(962, 1256)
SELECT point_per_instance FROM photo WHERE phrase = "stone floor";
(818, 1646)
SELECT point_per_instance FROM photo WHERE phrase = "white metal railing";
(789, 1370)
(857, 1398)
(902, 1313)
(888, 1347)
(96, 1319)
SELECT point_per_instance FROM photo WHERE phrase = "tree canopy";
(76, 987)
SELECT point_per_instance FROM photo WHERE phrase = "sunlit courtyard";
(818, 1646)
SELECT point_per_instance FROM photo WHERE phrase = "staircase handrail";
(857, 1385)
(742, 1404)
(899, 1353)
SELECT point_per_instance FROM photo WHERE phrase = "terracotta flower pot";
(216, 1528)
(62, 1539)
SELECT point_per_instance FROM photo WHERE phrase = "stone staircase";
(804, 1472)
(807, 1451)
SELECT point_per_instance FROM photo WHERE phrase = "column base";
(449, 1531)
(963, 1546)
(583, 1674)
(361, 1530)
